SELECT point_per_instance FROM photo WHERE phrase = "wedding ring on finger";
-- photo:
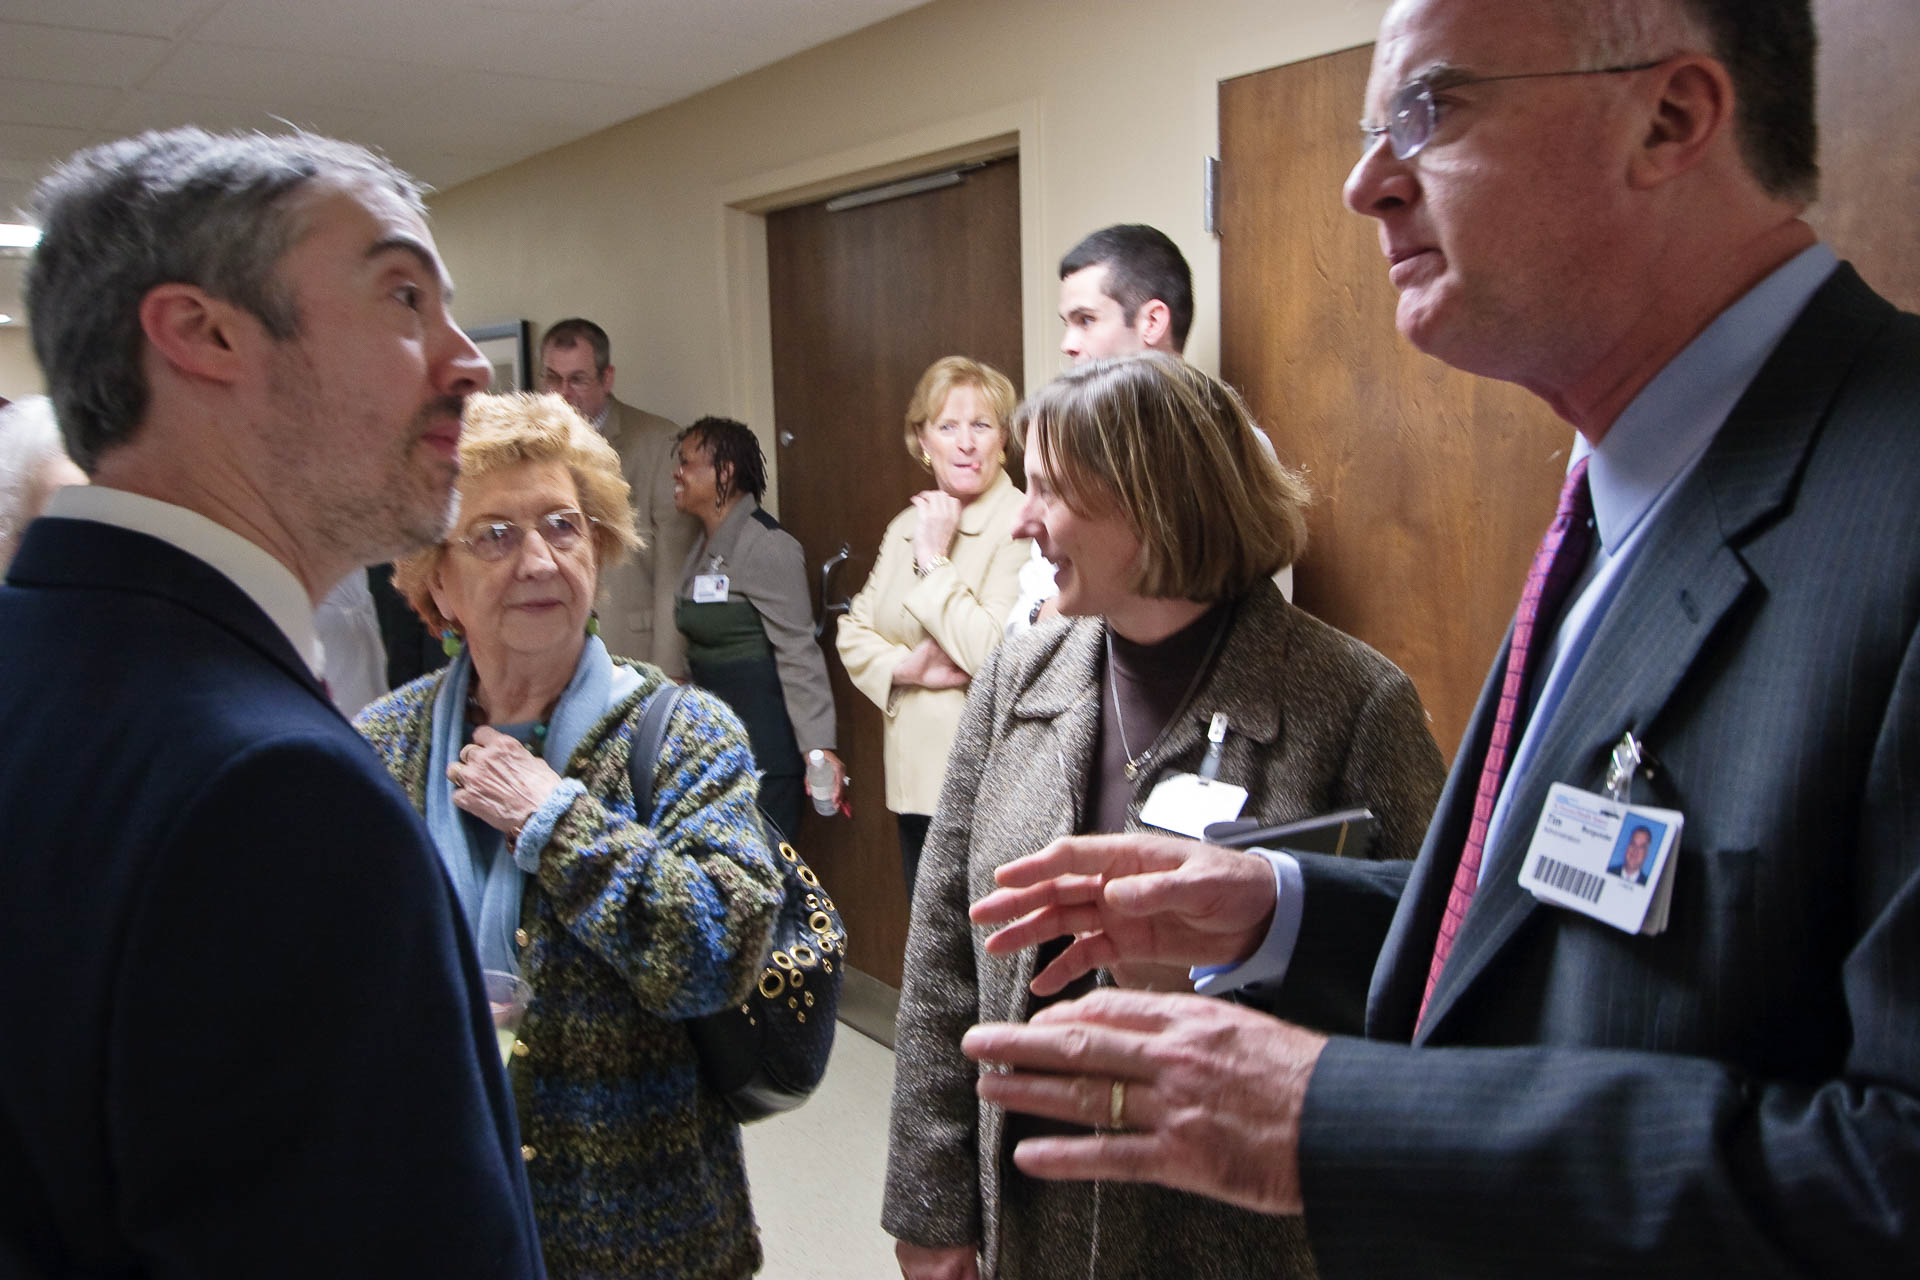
(1117, 1105)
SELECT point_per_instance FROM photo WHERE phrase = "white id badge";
(1186, 804)
(1604, 859)
(709, 588)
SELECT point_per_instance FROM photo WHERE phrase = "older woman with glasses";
(624, 923)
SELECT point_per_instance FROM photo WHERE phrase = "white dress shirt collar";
(263, 579)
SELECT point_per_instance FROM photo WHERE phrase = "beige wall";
(1113, 104)
(19, 373)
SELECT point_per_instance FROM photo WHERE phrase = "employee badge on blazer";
(709, 588)
(1603, 858)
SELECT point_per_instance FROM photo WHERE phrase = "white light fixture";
(18, 235)
(5, 318)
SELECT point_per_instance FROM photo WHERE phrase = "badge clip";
(1216, 743)
(1627, 758)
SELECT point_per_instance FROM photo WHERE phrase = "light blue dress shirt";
(1635, 470)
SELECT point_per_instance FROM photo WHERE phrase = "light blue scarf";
(484, 872)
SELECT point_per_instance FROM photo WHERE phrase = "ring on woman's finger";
(1117, 1105)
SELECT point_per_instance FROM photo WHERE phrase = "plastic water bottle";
(820, 782)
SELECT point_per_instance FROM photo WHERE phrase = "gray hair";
(180, 207)
(1767, 47)
(29, 444)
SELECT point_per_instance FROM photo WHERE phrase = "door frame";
(741, 227)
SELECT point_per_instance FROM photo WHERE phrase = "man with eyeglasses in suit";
(576, 361)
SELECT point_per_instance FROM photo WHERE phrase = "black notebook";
(1345, 833)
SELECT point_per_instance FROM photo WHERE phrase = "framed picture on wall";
(508, 347)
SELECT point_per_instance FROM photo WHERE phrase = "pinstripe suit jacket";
(1741, 1094)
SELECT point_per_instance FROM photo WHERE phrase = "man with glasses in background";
(1485, 1074)
(576, 361)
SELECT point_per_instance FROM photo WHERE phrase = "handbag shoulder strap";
(647, 737)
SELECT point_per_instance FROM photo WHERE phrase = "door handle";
(833, 562)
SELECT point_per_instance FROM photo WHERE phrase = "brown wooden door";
(862, 302)
(1432, 486)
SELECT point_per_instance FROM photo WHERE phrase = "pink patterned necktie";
(1555, 565)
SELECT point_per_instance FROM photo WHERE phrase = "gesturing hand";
(499, 781)
(1129, 899)
(1189, 1092)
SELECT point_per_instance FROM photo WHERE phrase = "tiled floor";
(816, 1172)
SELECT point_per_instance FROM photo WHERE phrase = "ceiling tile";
(15, 193)
(282, 78)
(143, 111)
(627, 45)
(472, 112)
(76, 57)
(434, 33)
(39, 146)
(58, 105)
(129, 17)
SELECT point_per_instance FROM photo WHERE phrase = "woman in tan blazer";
(1175, 658)
(947, 572)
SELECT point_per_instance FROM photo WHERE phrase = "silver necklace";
(1136, 763)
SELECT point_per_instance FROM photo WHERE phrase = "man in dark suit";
(576, 361)
(1601, 202)
(249, 1034)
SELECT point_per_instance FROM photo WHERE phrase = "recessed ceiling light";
(5, 319)
(18, 235)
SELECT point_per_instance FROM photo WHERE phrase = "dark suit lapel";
(89, 555)
(1688, 576)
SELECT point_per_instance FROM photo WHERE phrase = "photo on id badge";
(1633, 852)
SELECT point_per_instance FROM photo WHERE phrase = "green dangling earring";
(593, 623)
(450, 642)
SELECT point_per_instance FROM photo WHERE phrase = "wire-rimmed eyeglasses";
(498, 539)
(1413, 113)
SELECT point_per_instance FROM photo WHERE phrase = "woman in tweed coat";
(1146, 488)
(625, 924)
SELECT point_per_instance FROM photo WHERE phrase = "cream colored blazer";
(961, 604)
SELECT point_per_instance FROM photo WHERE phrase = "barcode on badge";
(1583, 885)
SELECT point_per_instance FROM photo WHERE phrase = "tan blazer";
(961, 605)
(636, 617)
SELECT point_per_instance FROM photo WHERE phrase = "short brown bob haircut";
(500, 431)
(1174, 452)
(945, 376)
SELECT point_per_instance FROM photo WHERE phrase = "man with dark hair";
(1124, 289)
(576, 361)
(1603, 203)
(259, 1041)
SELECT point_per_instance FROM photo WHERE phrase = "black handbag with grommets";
(767, 1055)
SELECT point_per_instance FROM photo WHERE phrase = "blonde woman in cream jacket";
(947, 572)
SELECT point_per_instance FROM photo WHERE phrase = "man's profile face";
(1499, 231)
(569, 372)
(1096, 325)
(363, 421)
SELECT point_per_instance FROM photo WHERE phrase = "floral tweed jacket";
(627, 929)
